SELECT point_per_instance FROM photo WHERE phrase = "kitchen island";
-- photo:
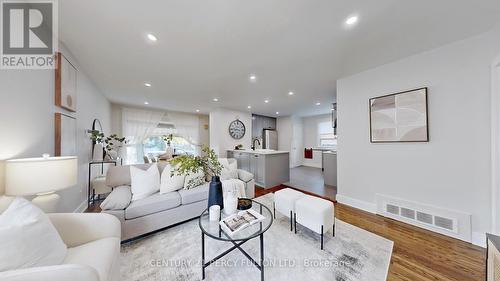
(269, 167)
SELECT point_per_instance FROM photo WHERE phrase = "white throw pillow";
(194, 180)
(229, 170)
(171, 183)
(144, 183)
(28, 238)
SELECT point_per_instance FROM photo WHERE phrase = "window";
(155, 146)
(326, 137)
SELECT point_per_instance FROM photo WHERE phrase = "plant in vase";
(97, 137)
(209, 164)
(168, 141)
(113, 145)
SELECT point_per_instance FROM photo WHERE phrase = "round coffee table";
(214, 231)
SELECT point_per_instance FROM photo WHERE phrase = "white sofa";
(158, 211)
(93, 242)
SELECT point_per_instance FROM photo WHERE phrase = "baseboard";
(358, 204)
(479, 239)
(81, 208)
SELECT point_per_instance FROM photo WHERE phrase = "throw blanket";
(233, 188)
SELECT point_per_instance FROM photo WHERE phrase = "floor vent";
(424, 217)
(452, 223)
(408, 213)
(392, 209)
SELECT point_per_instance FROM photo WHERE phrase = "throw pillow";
(194, 180)
(118, 199)
(28, 238)
(144, 183)
(229, 170)
(171, 183)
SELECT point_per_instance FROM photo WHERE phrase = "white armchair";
(93, 242)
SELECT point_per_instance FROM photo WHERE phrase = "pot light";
(318, 103)
(266, 101)
(277, 112)
(290, 93)
(249, 107)
(151, 37)
(216, 99)
(146, 103)
(252, 78)
(197, 110)
(351, 20)
(147, 84)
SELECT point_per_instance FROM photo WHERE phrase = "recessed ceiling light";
(152, 38)
(252, 78)
(318, 103)
(277, 112)
(249, 107)
(351, 20)
(147, 84)
(197, 110)
(146, 103)
(290, 93)
(266, 101)
(216, 99)
(332, 109)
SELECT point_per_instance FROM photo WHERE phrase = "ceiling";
(208, 49)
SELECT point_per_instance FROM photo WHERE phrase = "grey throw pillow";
(118, 199)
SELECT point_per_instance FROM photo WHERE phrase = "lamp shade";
(32, 176)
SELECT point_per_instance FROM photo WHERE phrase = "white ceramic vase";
(98, 152)
(230, 203)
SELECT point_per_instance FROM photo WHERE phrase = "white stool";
(284, 202)
(99, 187)
(316, 214)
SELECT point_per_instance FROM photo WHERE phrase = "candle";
(214, 213)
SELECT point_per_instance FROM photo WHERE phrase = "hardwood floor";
(418, 254)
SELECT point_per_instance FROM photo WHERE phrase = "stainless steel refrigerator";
(270, 139)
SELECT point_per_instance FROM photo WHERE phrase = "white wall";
(452, 170)
(220, 140)
(290, 138)
(27, 120)
(311, 137)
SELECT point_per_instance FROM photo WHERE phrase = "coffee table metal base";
(259, 266)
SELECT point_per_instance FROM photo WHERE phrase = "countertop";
(259, 151)
(330, 152)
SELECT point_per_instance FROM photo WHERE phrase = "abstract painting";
(66, 76)
(400, 117)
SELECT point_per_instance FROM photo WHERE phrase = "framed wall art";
(65, 135)
(66, 76)
(400, 117)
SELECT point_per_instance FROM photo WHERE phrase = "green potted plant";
(113, 143)
(97, 137)
(209, 164)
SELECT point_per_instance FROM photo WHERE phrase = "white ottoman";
(99, 187)
(316, 214)
(284, 202)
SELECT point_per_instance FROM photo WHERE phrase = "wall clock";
(237, 129)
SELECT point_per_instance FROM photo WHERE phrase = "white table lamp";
(41, 177)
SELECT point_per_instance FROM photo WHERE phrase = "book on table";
(239, 221)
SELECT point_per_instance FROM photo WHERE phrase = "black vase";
(215, 193)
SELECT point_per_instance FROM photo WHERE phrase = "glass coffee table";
(214, 231)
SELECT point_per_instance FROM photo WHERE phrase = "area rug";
(175, 254)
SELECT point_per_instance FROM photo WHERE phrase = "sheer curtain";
(137, 125)
(186, 126)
